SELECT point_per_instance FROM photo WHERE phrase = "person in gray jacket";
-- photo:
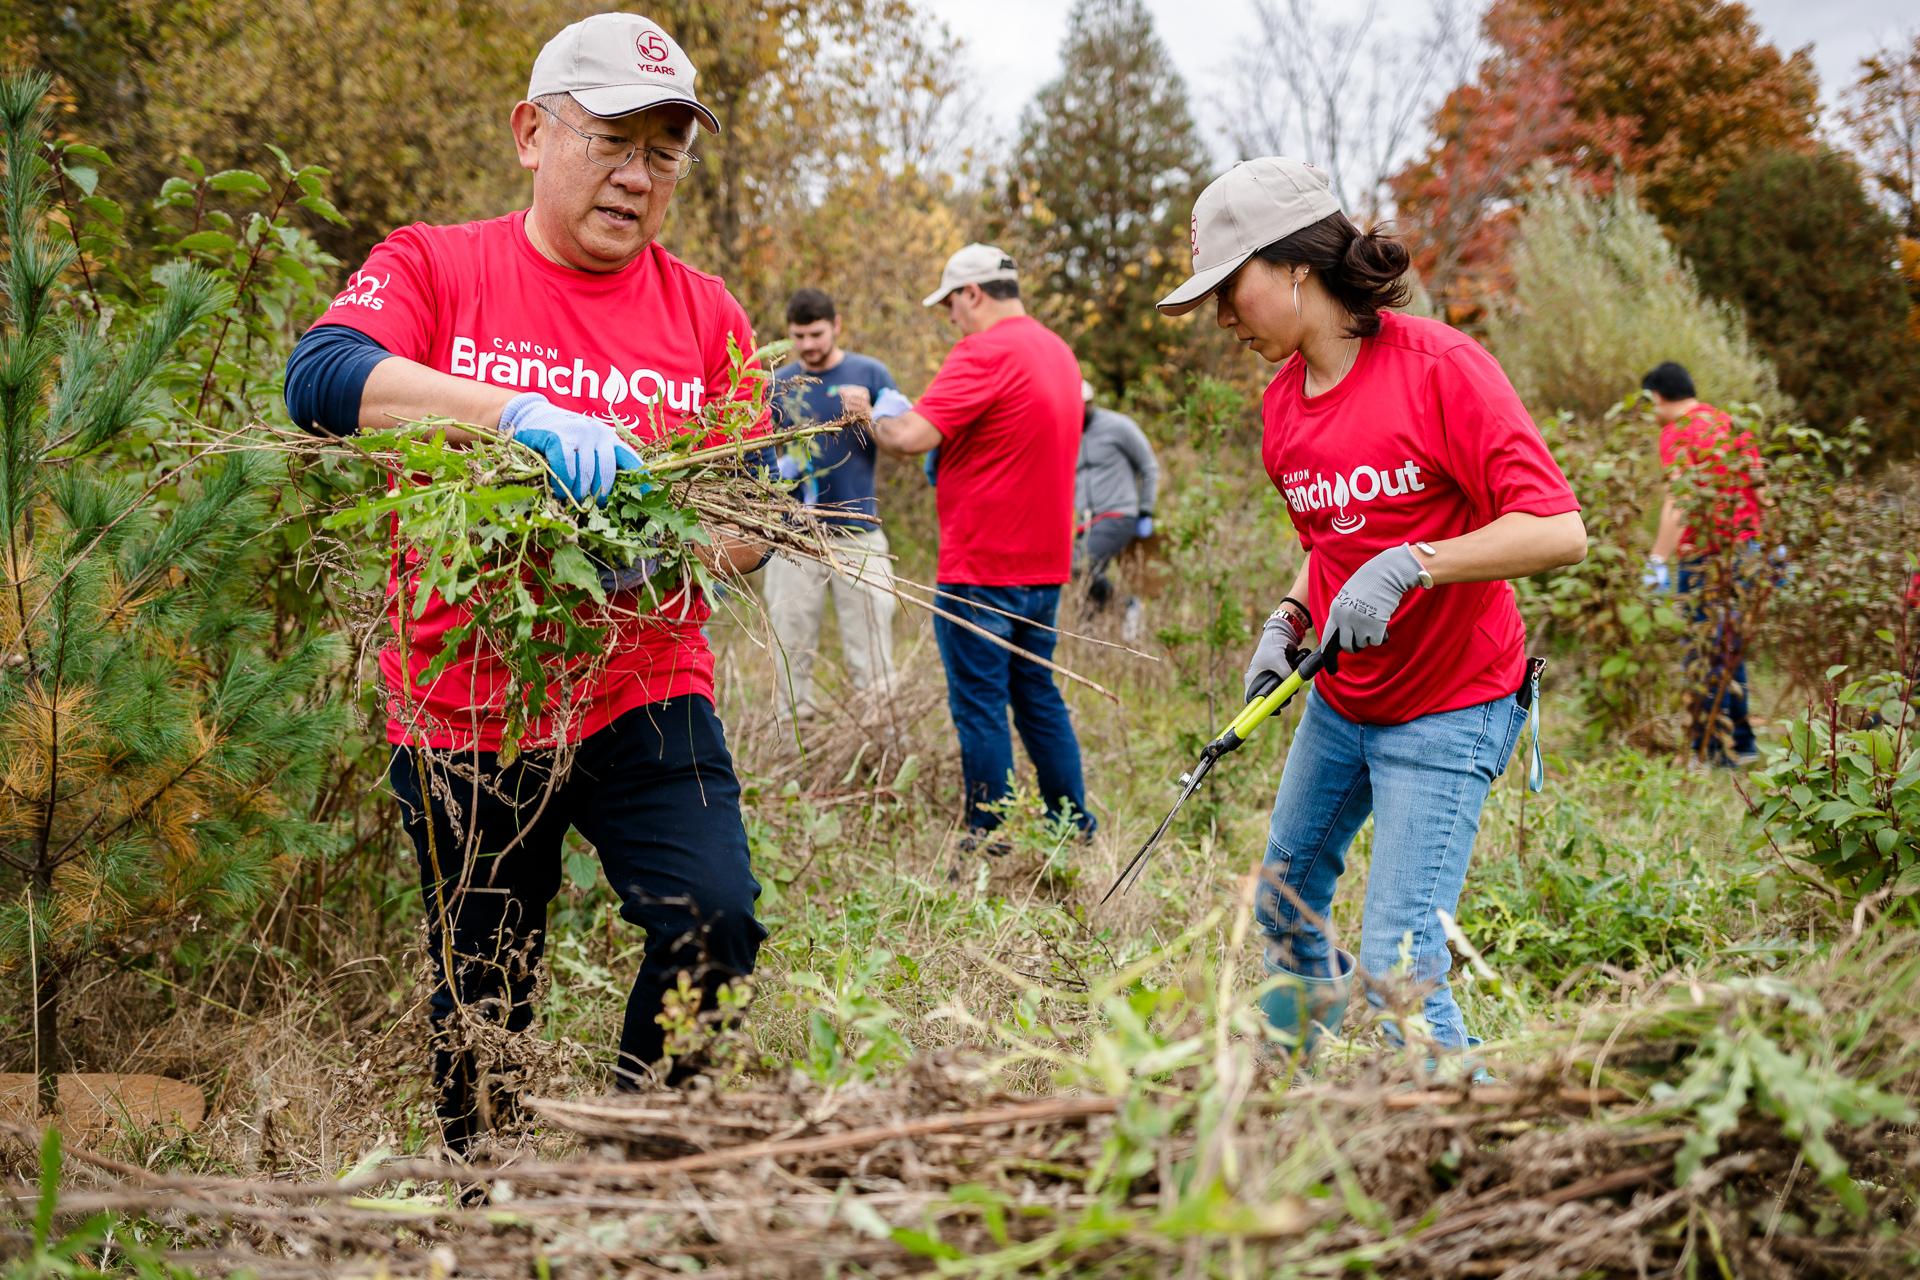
(1113, 495)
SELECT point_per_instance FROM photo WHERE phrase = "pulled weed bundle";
(545, 583)
(548, 586)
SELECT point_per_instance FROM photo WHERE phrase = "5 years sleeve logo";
(363, 290)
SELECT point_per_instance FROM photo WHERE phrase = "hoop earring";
(1296, 296)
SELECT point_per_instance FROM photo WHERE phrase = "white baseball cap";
(615, 64)
(975, 264)
(1243, 211)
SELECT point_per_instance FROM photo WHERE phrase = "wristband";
(1306, 618)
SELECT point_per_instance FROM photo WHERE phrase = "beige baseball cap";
(1244, 210)
(615, 64)
(975, 264)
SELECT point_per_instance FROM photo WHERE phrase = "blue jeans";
(1424, 782)
(1713, 734)
(983, 679)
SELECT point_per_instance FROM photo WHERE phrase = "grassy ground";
(1628, 890)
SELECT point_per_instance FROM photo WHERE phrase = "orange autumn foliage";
(1493, 137)
(1678, 94)
(1701, 90)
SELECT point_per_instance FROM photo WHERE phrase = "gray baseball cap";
(975, 264)
(1244, 210)
(615, 64)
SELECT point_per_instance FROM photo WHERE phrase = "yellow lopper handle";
(1251, 715)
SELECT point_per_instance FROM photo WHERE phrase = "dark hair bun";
(1376, 261)
(1363, 270)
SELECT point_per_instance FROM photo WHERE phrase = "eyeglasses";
(669, 164)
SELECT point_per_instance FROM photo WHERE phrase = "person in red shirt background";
(1005, 413)
(1418, 485)
(567, 327)
(1711, 512)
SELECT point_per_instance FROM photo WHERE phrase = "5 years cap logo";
(653, 52)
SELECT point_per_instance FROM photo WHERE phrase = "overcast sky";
(1014, 45)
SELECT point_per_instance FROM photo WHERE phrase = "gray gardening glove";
(1358, 618)
(1279, 639)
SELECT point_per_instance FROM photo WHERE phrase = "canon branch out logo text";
(529, 366)
(1316, 492)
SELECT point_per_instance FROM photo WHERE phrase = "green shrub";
(1600, 297)
(1829, 572)
(1843, 789)
(1848, 539)
(1613, 636)
(1590, 896)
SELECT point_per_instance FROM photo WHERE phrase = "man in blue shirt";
(835, 470)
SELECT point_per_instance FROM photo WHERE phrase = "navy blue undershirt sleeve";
(326, 375)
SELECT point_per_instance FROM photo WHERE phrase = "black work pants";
(655, 794)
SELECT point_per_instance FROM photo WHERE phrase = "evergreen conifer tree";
(1108, 171)
(158, 744)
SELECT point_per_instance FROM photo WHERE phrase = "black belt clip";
(1530, 684)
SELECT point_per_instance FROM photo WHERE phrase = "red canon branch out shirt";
(1008, 408)
(1424, 439)
(643, 348)
(1722, 470)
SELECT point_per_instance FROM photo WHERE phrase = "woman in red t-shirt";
(1419, 486)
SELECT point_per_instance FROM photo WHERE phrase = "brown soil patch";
(94, 1105)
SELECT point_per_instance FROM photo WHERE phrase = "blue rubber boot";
(1474, 1068)
(1301, 1007)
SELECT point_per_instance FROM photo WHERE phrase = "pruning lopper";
(1269, 696)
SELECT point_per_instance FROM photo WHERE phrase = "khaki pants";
(862, 589)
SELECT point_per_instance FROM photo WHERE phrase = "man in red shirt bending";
(1005, 413)
(567, 327)
(1709, 520)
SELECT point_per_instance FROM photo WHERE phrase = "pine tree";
(158, 744)
(1796, 242)
(1108, 171)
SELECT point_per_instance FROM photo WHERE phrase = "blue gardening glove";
(1143, 528)
(788, 467)
(1278, 641)
(932, 465)
(1658, 576)
(583, 453)
(1359, 614)
(891, 404)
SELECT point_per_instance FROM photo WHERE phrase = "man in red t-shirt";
(1005, 413)
(1711, 512)
(567, 327)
